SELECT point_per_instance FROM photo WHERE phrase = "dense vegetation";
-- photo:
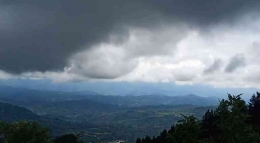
(24, 132)
(233, 121)
(31, 132)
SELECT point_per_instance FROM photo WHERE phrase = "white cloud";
(101, 62)
(4, 75)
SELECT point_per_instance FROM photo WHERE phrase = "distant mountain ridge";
(132, 101)
(24, 97)
(128, 88)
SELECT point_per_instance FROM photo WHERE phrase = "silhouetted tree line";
(31, 132)
(233, 121)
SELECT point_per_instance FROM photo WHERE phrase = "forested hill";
(9, 113)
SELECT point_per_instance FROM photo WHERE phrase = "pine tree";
(138, 140)
(254, 108)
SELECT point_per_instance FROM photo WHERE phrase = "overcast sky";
(211, 42)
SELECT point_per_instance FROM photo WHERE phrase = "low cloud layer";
(182, 41)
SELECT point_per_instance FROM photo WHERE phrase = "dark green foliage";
(24, 132)
(254, 108)
(162, 137)
(31, 132)
(209, 124)
(138, 140)
(187, 130)
(232, 115)
(68, 138)
(147, 139)
(231, 122)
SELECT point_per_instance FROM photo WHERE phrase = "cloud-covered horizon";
(181, 41)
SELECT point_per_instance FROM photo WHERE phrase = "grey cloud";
(43, 35)
(214, 67)
(160, 41)
(184, 77)
(235, 62)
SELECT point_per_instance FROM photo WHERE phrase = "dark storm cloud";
(235, 62)
(43, 35)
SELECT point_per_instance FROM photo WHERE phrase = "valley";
(101, 118)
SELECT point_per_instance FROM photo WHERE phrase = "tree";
(254, 108)
(187, 130)
(24, 132)
(172, 130)
(227, 124)
(209, 124)
(232, 115)
(138, 140)
(162, 137)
